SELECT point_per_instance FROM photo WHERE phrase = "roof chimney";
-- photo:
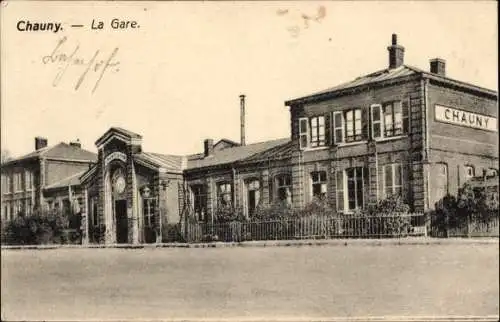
(40, 142)
(242, 119)
(209, 147)
(76, 143)
(396, 53)
(438, 66)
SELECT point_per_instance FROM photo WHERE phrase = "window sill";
(391, 138)
(351, 143)
(316, 148)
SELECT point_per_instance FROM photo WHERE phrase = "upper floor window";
(224, 194)
(6, 183)
(348, 126)
(312, 132)
(284, 188)
(390, 119)
(28, 179)
(319, 187)
(469, 172)
(199, 193)
(393, 179)
(318, 131)
(18, 181)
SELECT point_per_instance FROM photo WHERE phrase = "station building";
(400, 130)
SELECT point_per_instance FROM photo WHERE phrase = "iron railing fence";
(310, 227)
(468, 228)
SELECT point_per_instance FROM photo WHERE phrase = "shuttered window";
(339, 186)
(349, 126)
(338, 127)
(303, 133)
(318, 131)
(393, 180)
(353, 130)
(376, 111)
(406, 116)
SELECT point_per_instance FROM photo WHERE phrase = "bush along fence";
(470, 214)
(42, 227)
(311, 227)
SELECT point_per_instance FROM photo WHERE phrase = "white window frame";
(221, 193)
(323, 183)
(195, 189)
(343, 192)
(336, 127)
(303, 133)
(288, 187)
(252, 184)
(380, 120)
(28, 180)
(318, 127)
(393, 185)
(354, 120)
(18, 181)
(346, 191)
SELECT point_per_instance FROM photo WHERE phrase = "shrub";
(388, 218)
(275, 211)
(39, 228)
(470, 204)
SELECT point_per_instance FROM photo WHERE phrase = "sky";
(176, 79)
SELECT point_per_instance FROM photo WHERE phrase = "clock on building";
(119, 181)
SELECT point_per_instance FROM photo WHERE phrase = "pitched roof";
(62, 151)
(386, 75)
(237, 153)
(119, 132)
(72, 180)
(171, 163)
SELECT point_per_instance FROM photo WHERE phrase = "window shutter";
(303, 132)
(339, 186)
(406, 116)
(406, 180)
(327, 129)
(364, 123)
(338, 127)
(377, 121)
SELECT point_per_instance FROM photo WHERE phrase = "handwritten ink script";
(295, 29)
(93, 67)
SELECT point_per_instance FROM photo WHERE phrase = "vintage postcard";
(249, 161)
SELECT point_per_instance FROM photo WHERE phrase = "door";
(121, 221)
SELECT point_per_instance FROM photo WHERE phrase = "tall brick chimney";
(242, 119)
(396, 53)
(40, 142)
(76, 143)
(208, 147)
(438, 66)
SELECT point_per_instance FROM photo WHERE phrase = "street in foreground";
(276, 282)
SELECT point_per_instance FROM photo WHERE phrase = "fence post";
(468, 227)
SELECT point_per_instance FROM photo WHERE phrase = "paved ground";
(272, 282)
